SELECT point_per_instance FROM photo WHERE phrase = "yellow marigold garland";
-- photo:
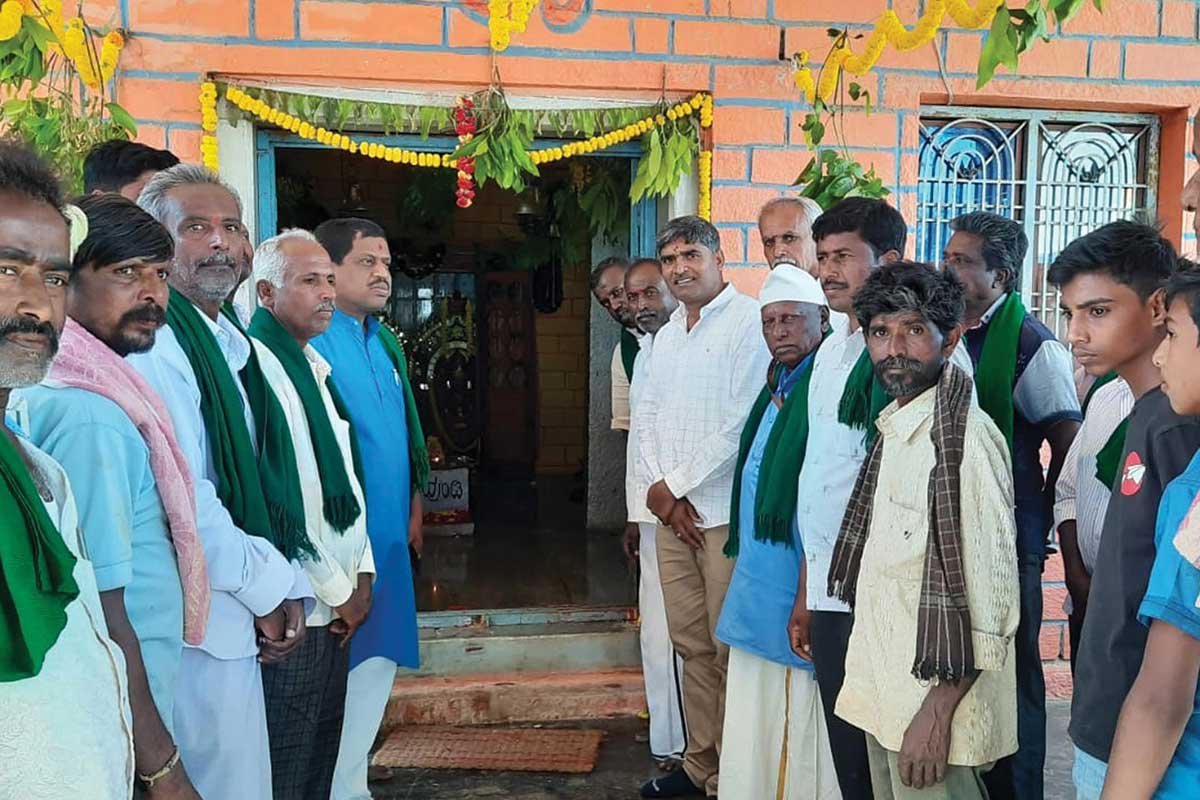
(11, 14)
(891, 30)
(209, 151)
(506, 17)
(703, 103)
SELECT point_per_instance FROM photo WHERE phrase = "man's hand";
(684, 518)
(925, 750)
(174, 786)
(631, 542)
(798, 626)
(272, 625)
(661, 502)
(416, 524)
(272, 650)
(353, 612)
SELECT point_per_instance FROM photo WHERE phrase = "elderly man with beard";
(63, 698)
(370, 371)
(785, 226)
(249, 511)
(705, 371)
(138, 512)
(306, 695)
(651, 303)
(925, 556)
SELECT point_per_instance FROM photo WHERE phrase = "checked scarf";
(944, 648)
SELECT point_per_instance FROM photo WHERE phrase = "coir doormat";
(492, 749)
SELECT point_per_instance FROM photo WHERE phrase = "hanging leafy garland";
(501, 148)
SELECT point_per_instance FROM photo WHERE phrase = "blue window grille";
(1060, 174)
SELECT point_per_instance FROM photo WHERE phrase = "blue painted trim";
(180, 77)
(264, 178)
(571, 26)
(124, 6)
(295, 20)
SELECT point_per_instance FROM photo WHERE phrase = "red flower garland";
(464, 126)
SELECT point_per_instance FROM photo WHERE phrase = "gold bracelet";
(148, 781)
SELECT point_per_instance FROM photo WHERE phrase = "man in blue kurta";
(370, 374)
(775, 740)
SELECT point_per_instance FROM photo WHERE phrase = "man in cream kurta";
(306, 695)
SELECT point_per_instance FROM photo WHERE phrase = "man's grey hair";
(154, 200)
(270, 262)
(692, 230)
(604, 266)
(809, 208)
(1004, 242)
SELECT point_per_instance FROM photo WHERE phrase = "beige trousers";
(694, 583)
(962, 783)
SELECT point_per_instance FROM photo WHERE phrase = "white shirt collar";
(991, 312)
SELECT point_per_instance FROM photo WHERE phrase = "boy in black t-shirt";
(1111, 282)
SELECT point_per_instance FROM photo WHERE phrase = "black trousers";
(830, 635)
(306, 699)
(1020, 775)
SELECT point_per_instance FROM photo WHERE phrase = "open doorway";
(493, 305)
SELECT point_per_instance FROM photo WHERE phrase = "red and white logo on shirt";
(1134, 473)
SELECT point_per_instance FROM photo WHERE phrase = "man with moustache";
(137, 513)
(705, 371)
(775, 741)
(785, 225)
(651, 303)
(306, 695)
(925, 556)
(249, 511)
(608, 287)
(370, 371)
(63, 697)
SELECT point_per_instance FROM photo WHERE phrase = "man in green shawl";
(248, 512)
(306, 696)
(63, 689)
(775, 743)
(1024, 382)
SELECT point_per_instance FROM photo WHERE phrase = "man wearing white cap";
(775, 740)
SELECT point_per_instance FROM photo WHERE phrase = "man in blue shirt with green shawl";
(371, 376)
(775, 739)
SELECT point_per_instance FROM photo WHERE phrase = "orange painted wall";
(1144, 58)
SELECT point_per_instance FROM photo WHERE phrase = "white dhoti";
(661, 668)
(221, 726)
(367, 691)
(775, 743)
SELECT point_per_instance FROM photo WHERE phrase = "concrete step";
(538, 647)
(516, 697)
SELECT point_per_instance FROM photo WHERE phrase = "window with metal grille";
(1060, 174)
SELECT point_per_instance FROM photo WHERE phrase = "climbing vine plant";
(55, 76)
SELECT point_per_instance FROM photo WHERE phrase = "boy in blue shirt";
(1156, 751)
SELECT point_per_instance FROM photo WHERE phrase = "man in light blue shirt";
(373, 385)
(116, 304)
(774, 737)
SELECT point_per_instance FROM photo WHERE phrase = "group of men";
(206, 515)
(839, 502)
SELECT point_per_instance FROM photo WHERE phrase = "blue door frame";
(643, 216)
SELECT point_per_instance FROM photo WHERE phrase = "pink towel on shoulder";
(85, 362)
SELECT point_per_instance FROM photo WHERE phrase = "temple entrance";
(493, 306)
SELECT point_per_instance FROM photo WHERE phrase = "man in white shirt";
(707, 366)
(257, 601)
(651, 303)
(306, 695)
(608, 287)
(66, 729)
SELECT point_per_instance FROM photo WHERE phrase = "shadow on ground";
(625, 763)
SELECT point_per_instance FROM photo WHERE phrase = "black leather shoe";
(676, 784)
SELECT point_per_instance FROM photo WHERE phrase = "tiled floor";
(530, 549)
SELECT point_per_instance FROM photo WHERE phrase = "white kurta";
(341, 555)
(67, 731)
(220, 719)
